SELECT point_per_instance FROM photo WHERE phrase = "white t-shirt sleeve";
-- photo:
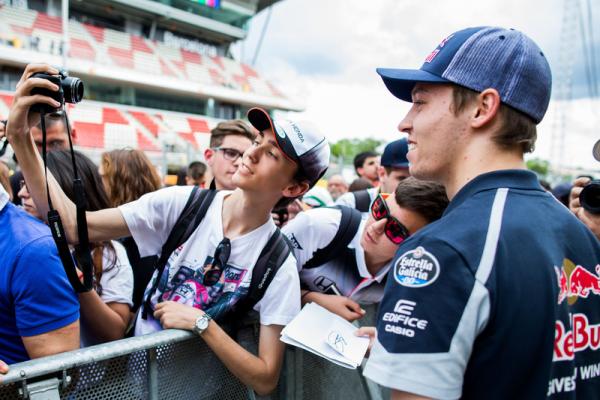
(281, 302)
(347, 199)
(312, 230)
(151, 217)
(117, 277)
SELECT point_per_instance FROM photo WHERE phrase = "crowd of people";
(487, 286)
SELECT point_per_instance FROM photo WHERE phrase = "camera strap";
(83, 256)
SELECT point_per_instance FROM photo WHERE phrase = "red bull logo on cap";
(576, 281)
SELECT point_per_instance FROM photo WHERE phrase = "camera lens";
(590, 197)
(73, 89)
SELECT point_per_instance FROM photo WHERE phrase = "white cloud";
(324, 54)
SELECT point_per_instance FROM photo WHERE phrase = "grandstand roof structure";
(27, 36)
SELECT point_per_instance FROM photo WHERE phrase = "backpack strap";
(271, 258)
(362, 200)
(347, 229)
(194, 211)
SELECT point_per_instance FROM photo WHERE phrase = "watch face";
(201, 323)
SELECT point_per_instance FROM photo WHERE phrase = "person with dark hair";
(358, 184)
(196, 174)
(561, 192)
(181, 177)
(56, 139)
(357, 273)
(366, 165)
(499, 298)
(393, 169)
(228, 141)
(219, 255)
(546, 185)
(5, 179)
(127, 175)
(105, 310)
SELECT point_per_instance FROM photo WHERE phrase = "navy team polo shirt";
(499, 299)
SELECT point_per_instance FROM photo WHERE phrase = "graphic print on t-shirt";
(187, 287)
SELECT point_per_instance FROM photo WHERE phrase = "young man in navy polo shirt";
(500, 298)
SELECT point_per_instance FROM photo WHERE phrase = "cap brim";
(400, 82)
(261, 120)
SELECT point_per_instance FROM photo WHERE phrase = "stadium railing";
(176, 364)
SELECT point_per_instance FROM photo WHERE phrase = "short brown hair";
(235, 127)
(129, 174)
(517, 128)
(426, 198)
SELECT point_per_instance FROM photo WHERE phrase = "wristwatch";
(201, 324)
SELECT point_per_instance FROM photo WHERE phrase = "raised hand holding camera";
(41, 90)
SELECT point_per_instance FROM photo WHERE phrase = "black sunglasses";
(220, 259)
(394, 229)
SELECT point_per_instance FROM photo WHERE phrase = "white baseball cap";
(301, 142)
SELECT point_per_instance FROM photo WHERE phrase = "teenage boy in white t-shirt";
(358, 274)
(284, 161)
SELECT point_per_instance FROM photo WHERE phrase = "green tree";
(348, 148)
(539, 166)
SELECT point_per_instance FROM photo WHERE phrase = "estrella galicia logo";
(416, 268)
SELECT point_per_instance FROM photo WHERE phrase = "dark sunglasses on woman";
(393, 229)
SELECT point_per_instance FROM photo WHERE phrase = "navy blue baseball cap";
(394, 154)
(481, 58)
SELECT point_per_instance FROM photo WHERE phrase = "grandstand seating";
(103, 126)
(42, 32)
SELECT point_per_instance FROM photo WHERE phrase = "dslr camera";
(590, 197)
(70, 91)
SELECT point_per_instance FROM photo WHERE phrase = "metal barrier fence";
(175, 364)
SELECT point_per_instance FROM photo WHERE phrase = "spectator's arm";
(102, 225)
(53, 342)
(340, 305)
(3, 367)
(590, 220)
(398, 395)
(261, 373)
(106, 321)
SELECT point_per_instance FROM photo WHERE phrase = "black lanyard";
(83, 255)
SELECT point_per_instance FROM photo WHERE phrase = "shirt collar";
(361, 264)
(510, 178)
(3, 198)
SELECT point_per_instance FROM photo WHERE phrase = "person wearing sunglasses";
(283, 162)
(358, 274)
(393, 169)
(228, 141)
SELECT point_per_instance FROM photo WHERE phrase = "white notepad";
(327, 335)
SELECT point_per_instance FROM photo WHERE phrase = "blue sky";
(323, 53)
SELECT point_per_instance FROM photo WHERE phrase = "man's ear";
(381, 173)
(360, 171)
(488, 105)
(296, 189)
(208, 155)
(74, 135)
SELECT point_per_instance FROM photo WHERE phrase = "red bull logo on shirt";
(582, 337)
(576, 281)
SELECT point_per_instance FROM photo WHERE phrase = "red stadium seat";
(146, 121)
